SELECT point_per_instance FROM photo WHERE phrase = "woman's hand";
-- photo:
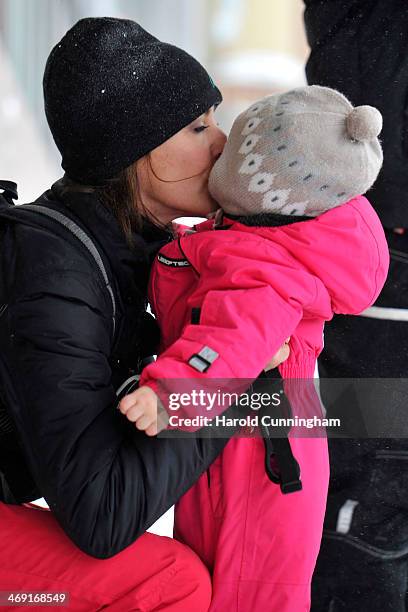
(141, 408)
(281, 356)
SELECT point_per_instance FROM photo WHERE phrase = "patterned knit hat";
(298, 153)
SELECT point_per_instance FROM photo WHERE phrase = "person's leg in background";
(154, 573)
(367, 581)
(363, 561)
(358, 47)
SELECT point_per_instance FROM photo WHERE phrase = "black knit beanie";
(113, 92)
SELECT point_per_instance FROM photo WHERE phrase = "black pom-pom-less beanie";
(113, 92)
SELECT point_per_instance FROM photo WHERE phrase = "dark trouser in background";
(350, 579)
(363, 560)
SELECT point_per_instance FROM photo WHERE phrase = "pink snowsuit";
(256, 286)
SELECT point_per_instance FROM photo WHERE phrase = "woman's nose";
(219, 140)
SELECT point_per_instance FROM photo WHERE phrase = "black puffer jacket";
(360, 48)
(105, 481)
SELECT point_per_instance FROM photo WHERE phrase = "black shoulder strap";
(20, 488)
(79, 233)
(10, 192)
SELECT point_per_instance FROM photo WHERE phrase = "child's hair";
(298, 153)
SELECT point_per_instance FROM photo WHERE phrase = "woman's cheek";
(200, 157)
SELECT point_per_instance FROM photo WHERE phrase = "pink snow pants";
(259, 545)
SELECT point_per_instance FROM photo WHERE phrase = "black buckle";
(291, 487)
(10, 192)
(288, 469)
(288, 477)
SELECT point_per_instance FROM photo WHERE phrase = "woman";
(134, 121)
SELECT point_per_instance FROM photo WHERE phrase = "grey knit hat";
(298, 153)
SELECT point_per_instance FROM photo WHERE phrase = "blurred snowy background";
(251, 47)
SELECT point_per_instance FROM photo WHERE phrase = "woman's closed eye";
(201, 128)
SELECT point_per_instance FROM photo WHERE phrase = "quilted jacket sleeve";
(105, 481)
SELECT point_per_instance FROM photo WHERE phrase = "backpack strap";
(10, 193)
(79, 233)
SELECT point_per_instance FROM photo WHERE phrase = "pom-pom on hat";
(113, 92)
(364, 123)
(298, 153)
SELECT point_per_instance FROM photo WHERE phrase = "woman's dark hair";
(122, 195)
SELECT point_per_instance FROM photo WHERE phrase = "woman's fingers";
(281, 356)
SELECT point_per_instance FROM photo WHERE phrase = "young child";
(293, 244)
